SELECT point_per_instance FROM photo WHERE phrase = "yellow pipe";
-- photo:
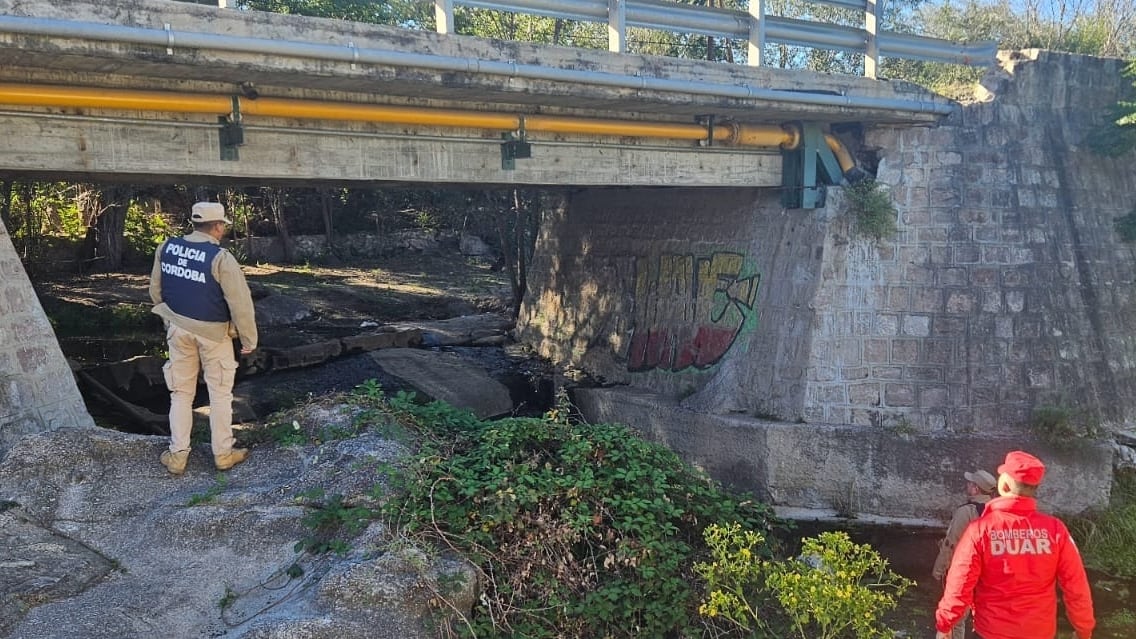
(786, 137)
(843, 157)
(730, 133)
(38, 95)
(348, 111)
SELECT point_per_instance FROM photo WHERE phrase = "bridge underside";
(205, 51)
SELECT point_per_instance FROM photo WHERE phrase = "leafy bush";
(875, 212)
(836, 588)
(580, 531)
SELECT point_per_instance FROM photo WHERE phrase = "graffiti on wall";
(689, 310)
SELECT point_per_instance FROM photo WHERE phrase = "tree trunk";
(328, 230)
(275, 198)
(31, 228)
(6, 203)
(111, 226)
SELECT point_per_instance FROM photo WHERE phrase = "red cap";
(1023, 467)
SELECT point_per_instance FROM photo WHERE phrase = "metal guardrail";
(753, 26)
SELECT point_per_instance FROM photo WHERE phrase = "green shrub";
(872, 206)
(836, 588)
(580, 530)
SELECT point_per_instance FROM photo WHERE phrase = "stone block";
(916, 325)
(899, 394)
(307, 355)
(864, 394)
(905, 351)
(383, 339)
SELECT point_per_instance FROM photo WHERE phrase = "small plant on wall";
(1125, 226)
(1062, 426)
(875, 212)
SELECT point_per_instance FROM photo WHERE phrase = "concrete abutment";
(1005, 289)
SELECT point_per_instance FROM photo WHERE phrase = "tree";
(1124, 138)
(404, 13)
(1103, 28)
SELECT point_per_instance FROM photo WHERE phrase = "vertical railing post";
(444, 16)
(617, 26)
(756, 48)
(871, 27)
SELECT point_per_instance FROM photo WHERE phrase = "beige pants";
(959, 631)
(191, 354)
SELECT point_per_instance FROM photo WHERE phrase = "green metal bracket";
(807, 170)
(514, 148)
(232, 134)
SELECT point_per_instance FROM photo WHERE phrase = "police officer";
(980, 488)
(200, 293)
(1008, 561)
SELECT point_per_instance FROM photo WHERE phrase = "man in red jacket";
(1008, 561)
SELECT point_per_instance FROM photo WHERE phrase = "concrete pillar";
(37, 389)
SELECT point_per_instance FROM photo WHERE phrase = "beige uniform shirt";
(228, 274)
(962, 517)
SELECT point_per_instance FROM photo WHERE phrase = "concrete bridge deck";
(190, 51)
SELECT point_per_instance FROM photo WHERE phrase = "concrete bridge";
(150, 89)
(737, 323)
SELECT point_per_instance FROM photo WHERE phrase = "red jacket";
(1005, 567)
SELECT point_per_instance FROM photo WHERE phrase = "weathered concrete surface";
(848, 470)
(106, 62)
(37, 389)
(142, 146)
(100, 542)
(447, 377)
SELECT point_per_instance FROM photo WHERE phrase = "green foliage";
(437, 417)
(145, 230)
(1125, 227)
(71, 319)
(1062, 426)
(289, 434)
(332, 524)
(392, 12)
(208, 496)
(1107, 540)
(836, 588)
(735, 578)
(873, 208)
(228, 599)
(584, 531)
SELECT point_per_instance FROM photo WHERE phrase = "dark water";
(911, 553)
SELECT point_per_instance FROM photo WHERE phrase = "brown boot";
(234, 457)
(174, 462)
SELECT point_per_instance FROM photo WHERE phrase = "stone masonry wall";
(1006, 287)
(37, 389)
